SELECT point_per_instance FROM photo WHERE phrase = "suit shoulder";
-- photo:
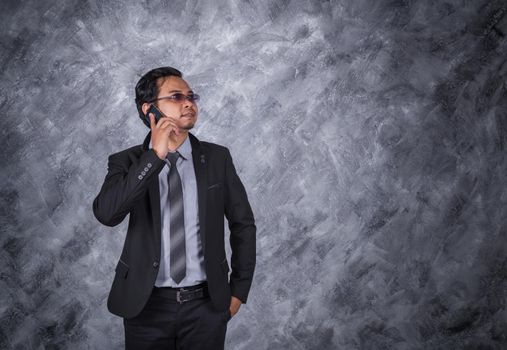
(214, 147)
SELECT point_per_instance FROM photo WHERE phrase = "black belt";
(182, 294)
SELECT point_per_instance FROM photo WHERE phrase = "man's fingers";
(175, 129)
(168, 124)
(163, 123)
(152, 120)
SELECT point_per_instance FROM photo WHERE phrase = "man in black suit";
(172, 283)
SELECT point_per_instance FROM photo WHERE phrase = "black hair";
(147, 88)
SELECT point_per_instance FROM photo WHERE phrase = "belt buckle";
(178, 296)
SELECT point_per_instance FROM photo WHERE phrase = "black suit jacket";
(131, 187)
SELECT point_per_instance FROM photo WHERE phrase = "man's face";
(185, 112)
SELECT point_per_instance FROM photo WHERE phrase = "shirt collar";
(185, 148)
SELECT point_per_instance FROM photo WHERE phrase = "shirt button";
(140, 177)
(155, 264)
(146, 169)
(148, 165)
(143, 172)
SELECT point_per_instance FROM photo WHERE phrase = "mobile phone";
(156, 112)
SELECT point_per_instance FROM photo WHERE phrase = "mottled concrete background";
(370, 136)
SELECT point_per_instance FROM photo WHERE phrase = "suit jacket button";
(140, 177)
(149, 165)
(143, 172)
(155, 264)
(146, 169)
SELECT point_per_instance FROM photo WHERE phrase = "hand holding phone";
(156, 113)
(161, 127)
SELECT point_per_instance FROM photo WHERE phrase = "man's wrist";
(158, 154)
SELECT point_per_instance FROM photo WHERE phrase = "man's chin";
(187, 126)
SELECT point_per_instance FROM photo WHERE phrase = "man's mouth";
(188, 115)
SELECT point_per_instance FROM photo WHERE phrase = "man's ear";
(145, 107)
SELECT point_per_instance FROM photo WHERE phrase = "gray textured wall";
(370, 136)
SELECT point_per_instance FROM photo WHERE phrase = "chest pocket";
(215, 186)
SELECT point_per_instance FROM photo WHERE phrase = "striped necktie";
(177, 223)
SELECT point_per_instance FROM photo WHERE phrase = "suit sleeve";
(125, 183)
(242, 232)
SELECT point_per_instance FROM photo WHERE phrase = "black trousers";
(169, 325)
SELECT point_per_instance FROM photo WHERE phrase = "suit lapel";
(199, 159)
(154, 197)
